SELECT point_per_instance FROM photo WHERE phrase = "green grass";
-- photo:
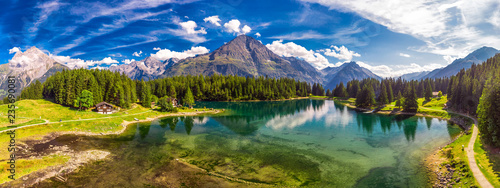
(457, 158)
(487, 163)
(432, 108)
(24, 167)
(111, 124)
(36, 109)
(435, 103)
(29, 122)
(54, 112)
(318, 97)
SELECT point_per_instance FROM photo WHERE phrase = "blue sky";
(389, 37)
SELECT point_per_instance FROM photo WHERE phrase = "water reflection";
(144, 129)
(249, 117)
(302, 135)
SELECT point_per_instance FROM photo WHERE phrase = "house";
(104, 108)
(173, 101)
(435, 94)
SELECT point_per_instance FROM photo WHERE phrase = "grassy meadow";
(40, 111)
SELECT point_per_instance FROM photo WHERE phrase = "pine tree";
(428, 92)
(366, 97)
(410, 104)
(145, 95)
(165, 105)
(383, 95)
(390, 95)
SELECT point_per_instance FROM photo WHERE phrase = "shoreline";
(78, 159)
(148, 119)
(386, 112)
(125, 124)
(433, 162)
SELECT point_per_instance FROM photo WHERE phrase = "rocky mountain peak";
(31, 59)
(245, 48)
(151, 61)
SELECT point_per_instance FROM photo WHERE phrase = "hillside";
(477, 57)
(346, 72)
(26, 67)
(245, 56)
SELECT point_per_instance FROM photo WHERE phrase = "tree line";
(71, 87)
(476, 91)
(371, 92)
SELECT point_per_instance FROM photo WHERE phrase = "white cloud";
(404, 55)
(341, 53)
(449, 59)
(448, 27)
(113, 65)
(99, 9)
(233, 26)
(188, 31)
(79, 63)
(213, 19)
(99, 67)
(137, 54)
(164, 54)
(107, 60)
(398, 70)
(246, 29)
(128, 61)
(46, 9)
(258, 35)
(190, 27)
(121, 20)
(14, 50)
(291, 49)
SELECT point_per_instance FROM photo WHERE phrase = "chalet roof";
(103, 103)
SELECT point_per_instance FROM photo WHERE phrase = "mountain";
(147, 69)
(245, 56)
(415, 75)
(344, 73)
(26, 67)
(477, 57)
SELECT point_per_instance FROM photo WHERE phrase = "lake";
(314, 143)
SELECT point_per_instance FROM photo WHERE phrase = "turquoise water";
(314, 143)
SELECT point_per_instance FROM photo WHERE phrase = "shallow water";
(313, 143)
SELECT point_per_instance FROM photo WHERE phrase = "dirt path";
(480, 178)
(47, 121)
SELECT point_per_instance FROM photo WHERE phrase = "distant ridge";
(478, 56)
(345, 73)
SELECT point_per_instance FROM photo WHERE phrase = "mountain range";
(146, 69)
(476, 57)
(245, 56)
(26, 67)
(346, 72)
(242, 56)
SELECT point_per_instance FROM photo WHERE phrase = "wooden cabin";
(173, 101)
(104, 108)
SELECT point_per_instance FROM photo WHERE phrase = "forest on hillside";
(68, 85)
